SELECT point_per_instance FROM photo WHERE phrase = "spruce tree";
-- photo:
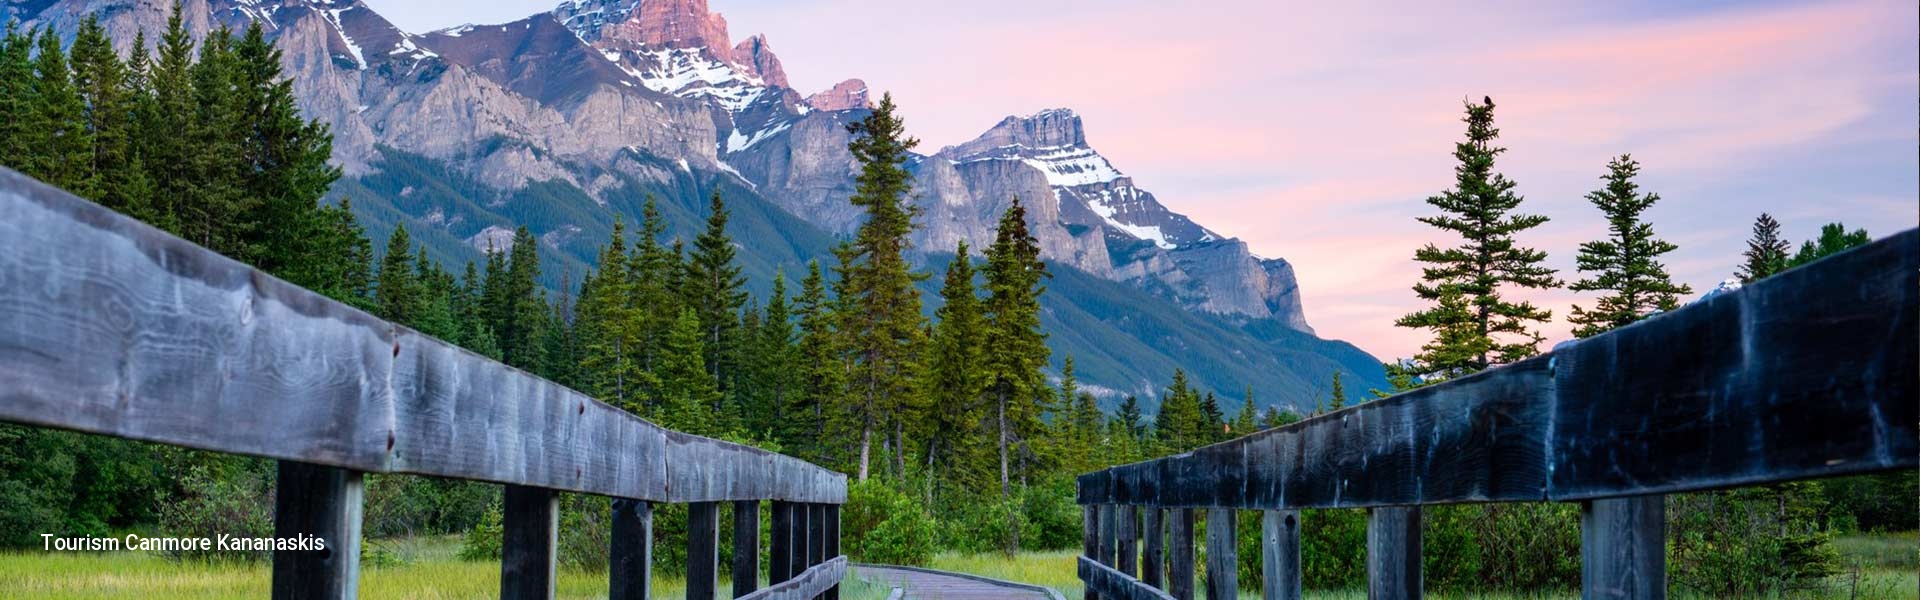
(521, 312)
(881, 323)
(1179, 417)
(286, 171)
(823, 373)
(62, 154)
(1338, 398)
(101, 79)
(397, 296)
(957, 450)
(607, 327)
(654, 269)
(1627, 263)
(774, 364)
(18, 127)
(1248, 420)
(1016, 348)
(1474, 325)
(1766, 253)
(1213, 421)
(687, 392)
(714, 290)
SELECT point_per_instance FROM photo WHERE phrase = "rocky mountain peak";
(846, 95)
(1051, 128)
(754, 54)
(671, 24)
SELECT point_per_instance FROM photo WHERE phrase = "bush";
(1333, 548)
(237, 502)
(880, 524)
(482, 541)
(406, 505)
(1749, 541)
(1053, 518)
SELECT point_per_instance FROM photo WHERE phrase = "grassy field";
(1887, 568)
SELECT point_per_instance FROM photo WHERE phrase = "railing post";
(1393, 552)
(1280, 554)
(1223, 554)
(1180, 553)
(746, 547)
(1128, 531)
(780, 544)
(1090, 541)
(630, 557)
(530, 535)
(325, 503)
(1623, 552)
(817, 535)
(703, 550)
(1109, 534)
(1153, 562)
(802, 515)
(833, 545)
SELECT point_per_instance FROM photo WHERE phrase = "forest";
(955, 436)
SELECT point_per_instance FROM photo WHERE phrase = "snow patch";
(499, 239)
(737, 141)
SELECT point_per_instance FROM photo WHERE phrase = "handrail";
(111, 326)
(1814, 372)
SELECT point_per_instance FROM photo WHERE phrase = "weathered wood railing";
(1810, 373)
(112, 327)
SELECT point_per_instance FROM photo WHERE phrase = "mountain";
(565, 121)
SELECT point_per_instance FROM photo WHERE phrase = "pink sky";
(1314, 131)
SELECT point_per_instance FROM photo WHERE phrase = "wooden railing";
(112, 327)
(1809, 373)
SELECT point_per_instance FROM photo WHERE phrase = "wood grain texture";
(1814, 372)
(1223, 554)
(1180, 553)
(703, 550)
(809, 584)
(111, 326)
(780, 545)
(1623, 550)
(920, 582)
(833, 546)
(530, 537)
(322, 502)
(630, 557)
(802, 522)
(1089, 542)
(1153, 554)
(1111, 583)
(746, 547)
(1280, 554)
(1127, 536)
(1393, 553)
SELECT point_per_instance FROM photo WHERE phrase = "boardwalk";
(917, 584)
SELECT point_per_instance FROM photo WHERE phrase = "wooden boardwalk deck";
(923, 584)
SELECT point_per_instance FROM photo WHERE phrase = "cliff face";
(603, 95)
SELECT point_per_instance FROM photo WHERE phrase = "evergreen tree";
(521, 311)
(101, 80)
(607, 328)
(286, 170)
(881, 322)
(1016, 348)
(1472, 321)
(687, 390)
(822, 371)
(957, 449)
(1627, 264)
(774, 364)
(1179, 417)
(1766, 253)
(1338, 399)
(62, 151)
(1834, 239)
(1247, 421)
(714, 290)
(1130, 418)
(398, 296)
(18, 127)
(1213, 421)
(654, 268)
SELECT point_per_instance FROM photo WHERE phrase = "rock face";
(598, 92)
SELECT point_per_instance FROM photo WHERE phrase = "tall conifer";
(1627, 263)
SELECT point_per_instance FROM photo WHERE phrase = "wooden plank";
(1393, 552)
(780, 543)
(1111, 583)
(325, 503)
(1223, 554)
(1280, 554)
(530, 520)
(110, 326)
(1180, 553)
(1109, 535)
(1153, 561)
(1127, 532)
(703, 550)
(630, 557)
(801, 522)
(1089, 540)
(1813, 372)
(833, 546)
(817, 535)
(807, 585)
(746, 547)
(1623, 550)
(920, 582)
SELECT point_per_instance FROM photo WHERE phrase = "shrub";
(405, 505)
(482, 541)
(237, 502)
(1749, 541)
(880, 524)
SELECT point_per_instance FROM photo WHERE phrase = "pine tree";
(774, 364)
(1338, 399)
(714, 290)
(62, 155)
(1179, 417)
(216, 209)
(1766, 253)
(882, 323)
(166, 127)
(1472, 321)
(102, 82)
(1016, 348)
(957, 450)
(435, 316)
(1834, 239)
(521, 312)
(654, 269)
(1627, 264)
(18, 127)
(286, 170)
(1130, 418)
(687, 391)
(1213, 421)
(1247, 421)
(397, 296)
